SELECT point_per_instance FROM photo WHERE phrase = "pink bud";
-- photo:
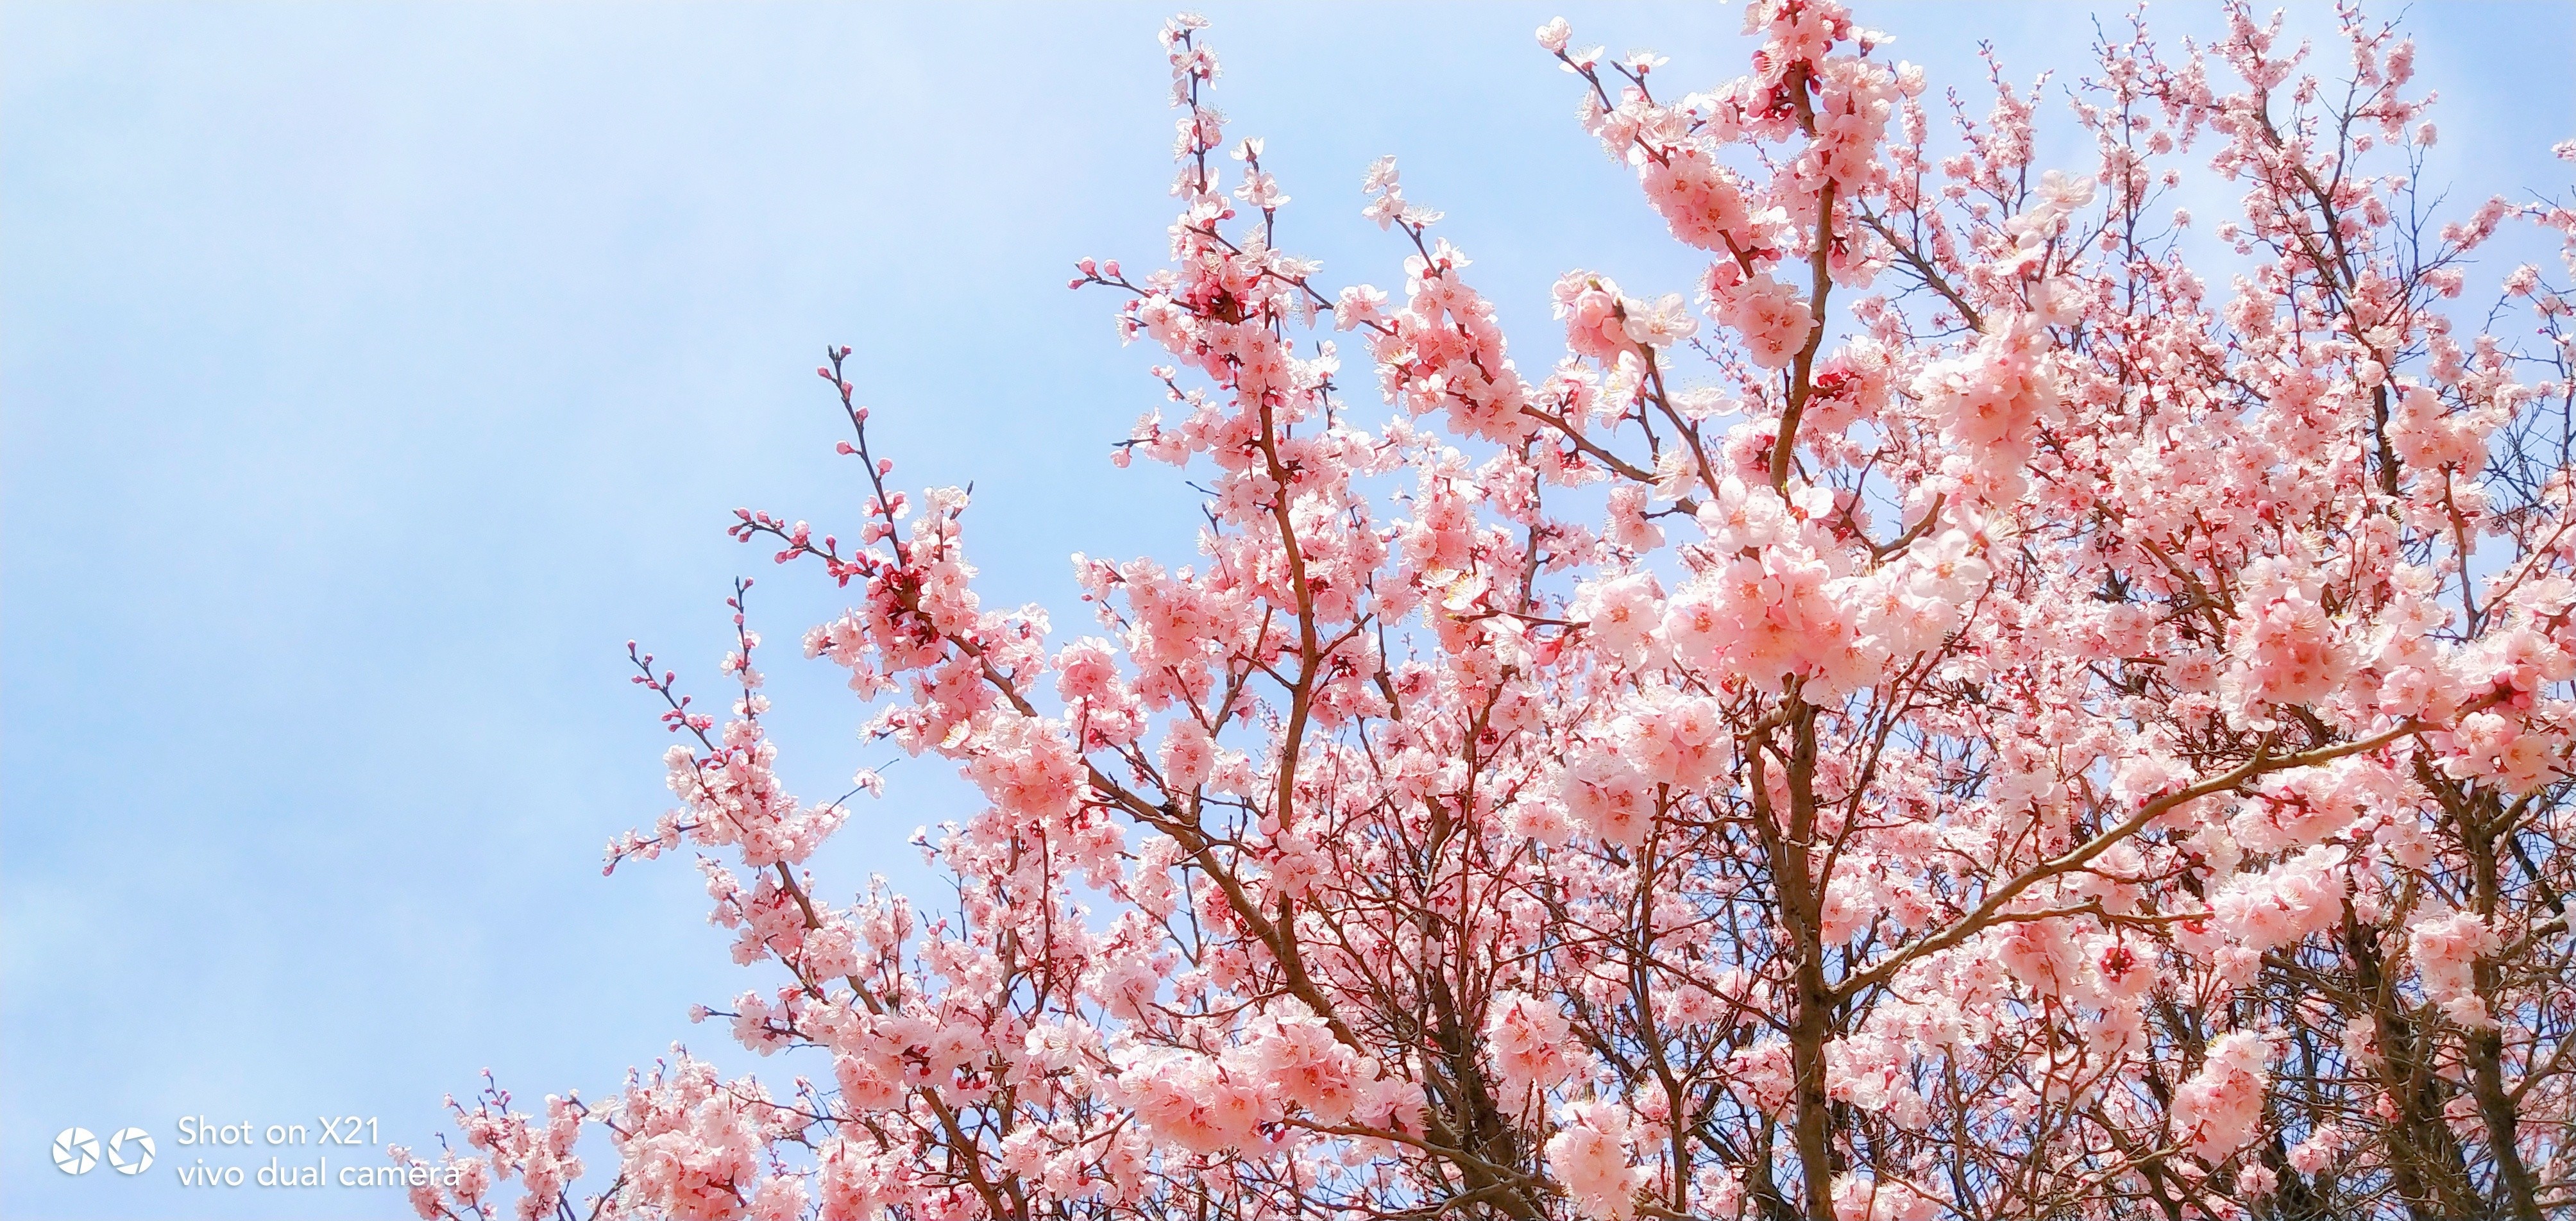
(1110, 268)
(885, 466)
(845, 448)
(823, 371)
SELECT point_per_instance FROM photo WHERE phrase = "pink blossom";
(1608, 798)
(2218, 1110)
(1590, 1156)
(2446, 950)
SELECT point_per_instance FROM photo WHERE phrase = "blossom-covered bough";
(1961, 715)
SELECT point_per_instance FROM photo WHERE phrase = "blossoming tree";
(1962, 716)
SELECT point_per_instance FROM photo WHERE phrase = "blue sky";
(370, 374)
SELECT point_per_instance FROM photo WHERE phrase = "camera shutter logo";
(130, 1151)
(75, 1151)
